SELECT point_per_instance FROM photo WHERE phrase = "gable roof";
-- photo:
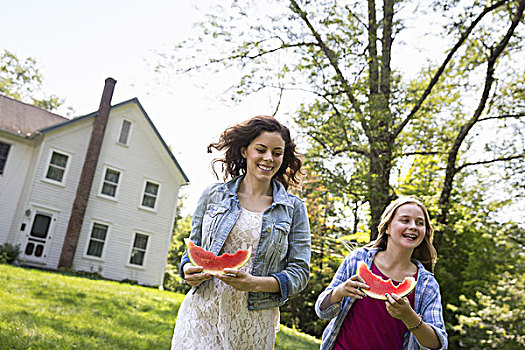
(29, 121)
(23, 119)
(133, 100)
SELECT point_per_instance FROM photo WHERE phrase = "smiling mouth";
(410, 236)
(265, 167)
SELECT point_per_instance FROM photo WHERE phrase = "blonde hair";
(425, 251)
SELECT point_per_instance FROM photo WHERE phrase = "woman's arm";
(195, 236)
(294, 277)
(246, 282)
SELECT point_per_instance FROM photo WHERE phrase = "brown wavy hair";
(233, 139)
(425, 251)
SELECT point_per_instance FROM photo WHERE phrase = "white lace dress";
(216, 316)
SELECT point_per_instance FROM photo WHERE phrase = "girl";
(239, 310)
(403, 248)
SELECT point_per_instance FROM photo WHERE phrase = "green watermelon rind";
(412, 284)
(188, 244)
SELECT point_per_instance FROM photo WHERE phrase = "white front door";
(38, 237)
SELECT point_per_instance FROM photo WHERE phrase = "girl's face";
(264, 156)
(407, 228)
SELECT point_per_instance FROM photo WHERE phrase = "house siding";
(142, 159)
(12, 184)
(55, 197)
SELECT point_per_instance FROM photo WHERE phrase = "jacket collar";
(280, 196)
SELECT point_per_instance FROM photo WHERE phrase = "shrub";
(9, 253)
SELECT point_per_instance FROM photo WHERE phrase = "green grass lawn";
(48, 310)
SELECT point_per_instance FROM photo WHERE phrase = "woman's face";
(264, 156)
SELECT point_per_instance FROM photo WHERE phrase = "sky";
(78, 44)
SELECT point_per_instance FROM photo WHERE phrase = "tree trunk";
(379, 126)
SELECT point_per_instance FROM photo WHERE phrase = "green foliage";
(480, 270)
(22, 80)
(9, 253)
(172, 279)
(494, 319)
(49, 311)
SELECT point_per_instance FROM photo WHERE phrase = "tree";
(22, 80)
(366, 117)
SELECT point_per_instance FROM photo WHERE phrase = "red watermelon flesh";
(216, 264)
(379, 287)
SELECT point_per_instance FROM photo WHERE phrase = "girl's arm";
(425, 334)
(400, 308)
(327, 305)
(349, 288)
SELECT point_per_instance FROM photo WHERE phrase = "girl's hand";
(238, 279)
(350, 288)
(399, 308)
(193, 275)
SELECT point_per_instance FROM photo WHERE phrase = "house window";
(151, 191)
(138, 252)
(57, 167)
(4, 151)
(97, 240)
(124, 132)
(110, 183)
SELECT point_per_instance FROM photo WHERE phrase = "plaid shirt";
(427, 302)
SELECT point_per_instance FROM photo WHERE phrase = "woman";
(403, 248)
(239, 309)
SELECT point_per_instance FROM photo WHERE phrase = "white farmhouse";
(91, 193)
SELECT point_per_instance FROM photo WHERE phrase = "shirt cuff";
(284, 284)
(183, 261)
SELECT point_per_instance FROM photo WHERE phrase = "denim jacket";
(284, 246)
(427, 302)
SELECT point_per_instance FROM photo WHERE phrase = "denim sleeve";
(294, 277)
(196, 227)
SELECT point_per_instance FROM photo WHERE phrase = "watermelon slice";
(379, 287)
(216, 264)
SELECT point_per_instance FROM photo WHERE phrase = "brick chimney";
(86, 178)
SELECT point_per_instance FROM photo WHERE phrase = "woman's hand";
(194, 276)
(238, 279)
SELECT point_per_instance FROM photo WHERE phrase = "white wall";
(12, 182)
(72, 140)
(143, 159)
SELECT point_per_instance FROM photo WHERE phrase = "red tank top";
(368, 326)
